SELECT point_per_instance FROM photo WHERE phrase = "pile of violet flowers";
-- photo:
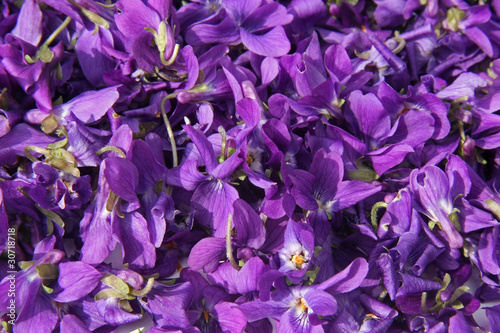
(258, 165)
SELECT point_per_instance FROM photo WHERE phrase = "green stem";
(169, 128)
(57, 31)
(28, 149)
(223, 153)
(113, 149)
(373, 214)
(229, 246)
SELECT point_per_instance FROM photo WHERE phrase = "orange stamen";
(298, 259)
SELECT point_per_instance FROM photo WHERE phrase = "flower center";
(298, 260)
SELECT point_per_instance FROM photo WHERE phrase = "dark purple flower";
(259, 26)
(142, 24)
(299, 308)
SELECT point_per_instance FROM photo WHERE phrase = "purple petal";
(387, 157)
(249, 275)
(175, 298)
(14, 142)
(212, 202)
(302, 190)
(487, 251)
(204, 147)
(230, 317)
(337, 62)
(249, 227)
(71, 323)
(113, 314)
(321, 302)
(96, 232)
(413, 128)
(348, 279)
(186, 176)
(386, 266)
(372, 119)
(458, 323)
(240, 9)
(226, 168)
(430, 187)
(134, 16)
(207, 253)
(223, 32)
(328, 170)
(273, 43)
(92, 56)
(29, 23)
(269, 15)
(132, 232)
(256, 310)
(478, 37)
(415, 285)
(39, 316)
(463, 86)
(90, 106)
(269, 69)
(438, 110)
(122, 177)
(493, 315)
(76, 279)
(351, 192)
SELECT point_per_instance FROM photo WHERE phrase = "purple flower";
(298, 250)
(213, 209)
(259, 26)
(141, 24)
(298, 308)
